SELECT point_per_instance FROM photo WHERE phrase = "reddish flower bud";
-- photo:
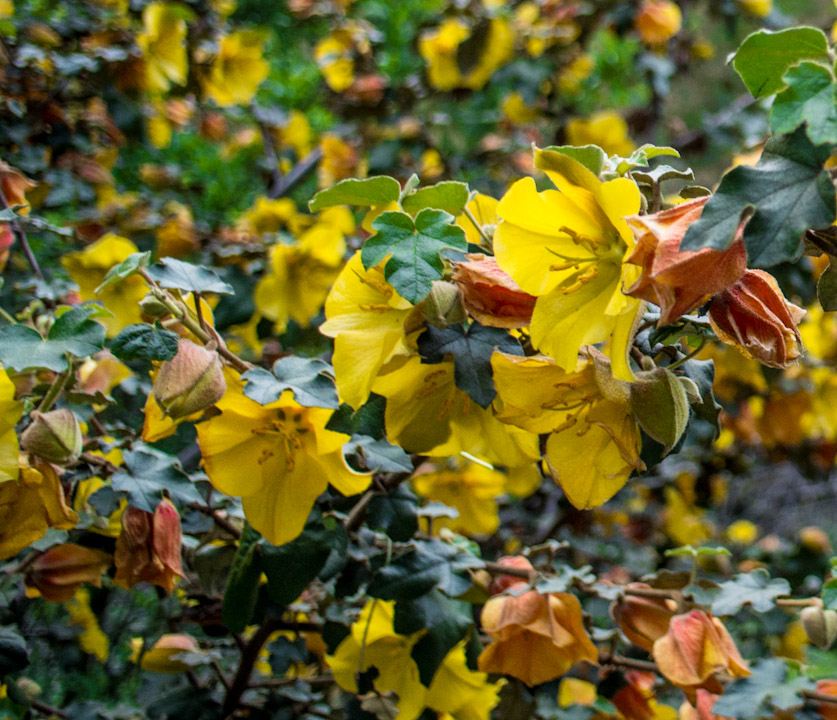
(696, 652)
(162, 657)
(490, 295)
(54, 436)
(190, 382)
(62, 569)
(148, 548)
(679, 281)
(502, 583)
(643, 620)
(754, 316)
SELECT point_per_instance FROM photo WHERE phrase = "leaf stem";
(56, 388)
(487, 240)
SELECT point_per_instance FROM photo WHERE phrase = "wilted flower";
(148, 548)
(62, 570)
(696, 652)
(643, 620)
(162, 656)
(238, 69)
(702, 709)
(15, 185)
(536, 637)
(658, 21)
(679, 281)
(490, 295)
(191, 381)
(754, 316)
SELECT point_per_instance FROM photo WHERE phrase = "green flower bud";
(443, 306)
(190, 382)
(820, 626)
(152, 306)
(54, 436)
(660, 403)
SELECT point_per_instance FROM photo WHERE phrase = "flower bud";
(148, 548)
(660, 405)
(62, 569)
(54, 436)
(504, 582)
(443, 306)
(643, 620)
(153, 307)
(820, 626)
(161, 657)
(190, 382)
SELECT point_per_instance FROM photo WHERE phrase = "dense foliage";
(369, 359)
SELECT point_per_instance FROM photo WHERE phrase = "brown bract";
(536, 637)
(754, 316)
(148, 548)
(697, 652)
(643, 620)
(62, 569)
(490, 295)
(633, 699)
(679, 281)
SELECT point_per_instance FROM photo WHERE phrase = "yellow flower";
(334, 58)
(297, 133)
(279, 458)
(162, 657)
(88, 268)
(606, 129)
(29, 507)
(427, 413)
(575, 73)
(455, 689)
(566, 247)
(7, 9)
(473, 490)
(10, 412)
(431, 165)
(92, 640)
(758, 8)
(163, 45)
(340, 161)
(742, 532)
(366, 318)
(594, 442)
(658, 21)
(267, 215)
(300, 276)
(238, 69)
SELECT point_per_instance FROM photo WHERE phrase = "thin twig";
(45, 709)
(270, 151)
(217, 518)
(297, 172)
(17, 229)
(618, 660)
(249, 656)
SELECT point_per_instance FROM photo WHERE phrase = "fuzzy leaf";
(378, 190)
(149, 474)
(176, 274)
(311, 381)
(144, 341)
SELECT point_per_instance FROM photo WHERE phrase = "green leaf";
(766, 690)
(413, 248)
(368, 419)
(424, 566)
(379, 454)
(290, 567)
(808, 98)
(242, 589)
(74, 332)
(755, 589)
(661, 173)
(126, 268)
(827, 287)
(471, 350)
(175, 274)
(449, 196)
(151, 474)
(702, 374)
(445, 621)
(765, 56)
(591, 156)
(378, 190)
(311, 381)
(14, 655)
(829, 594)
(394, 513)
(788, 191)
(145, 341)
(564, 580)
(821, 664)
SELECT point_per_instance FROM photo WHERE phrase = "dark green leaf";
(290, 567)
(368, 419)
(379, 455)
(829, 594)
(242, 590)
(150, 474)
(74, 333)
(414, 248)
(126, 268)
(14, 655)
(424, 566)
(449, 196)
(788, 190)
(827, 287)
(768, 688)
(283, 652)
(765, 56)
(378, 190)
(394, 513)
(471, 350)
(145, 341)
(702, 374)
(311, 381)
(173, 273)
(808, 98)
